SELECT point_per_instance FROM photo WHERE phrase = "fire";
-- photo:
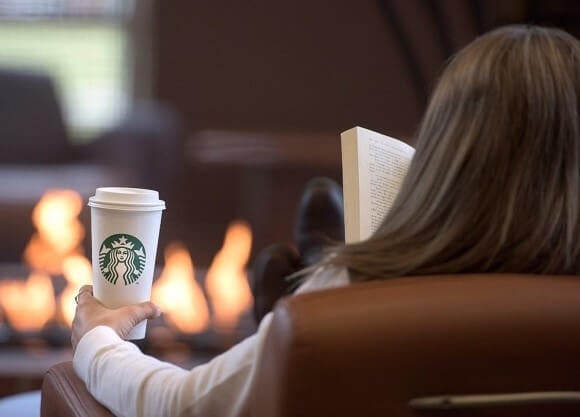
(59, 232)
(29, 304)
(56, 249)
(77, 271)
(227, 281)
(178, 294)
(181, 298)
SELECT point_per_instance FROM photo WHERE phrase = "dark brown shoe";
(320, 219)
(270, 272)
(319, 222)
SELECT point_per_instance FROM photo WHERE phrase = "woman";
(494, 184)
(493, 187)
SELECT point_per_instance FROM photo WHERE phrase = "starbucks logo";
(122, 256)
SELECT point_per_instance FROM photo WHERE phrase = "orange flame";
(59, 231)
(55, 249)
(28, 304)
(178, 294)
(77, 271)
(227, 281)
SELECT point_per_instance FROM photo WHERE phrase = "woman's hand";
(90, 313)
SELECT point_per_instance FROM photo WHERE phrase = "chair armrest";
(65, 395)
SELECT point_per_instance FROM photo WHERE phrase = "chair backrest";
(32, 128)
(370, 349)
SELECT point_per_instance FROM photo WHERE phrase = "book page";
(382, 165)
(388, 162)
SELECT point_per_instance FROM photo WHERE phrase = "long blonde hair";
(494, 184)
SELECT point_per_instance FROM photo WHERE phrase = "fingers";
(86, 288)
(142, 311)
(91, 313)
(83, 292)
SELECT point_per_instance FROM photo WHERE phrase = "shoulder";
(324, 278)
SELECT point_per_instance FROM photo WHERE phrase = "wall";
(318, 65)
(307, 66)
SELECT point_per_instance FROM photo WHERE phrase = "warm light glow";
(59, 232)
(28, 304)
(227, 281)
(177, 293)
(77, 271)
(56, 249)
(40, 256)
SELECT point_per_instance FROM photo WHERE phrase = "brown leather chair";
(65, 395)
(474, 345)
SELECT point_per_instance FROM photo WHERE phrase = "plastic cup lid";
(123, 198)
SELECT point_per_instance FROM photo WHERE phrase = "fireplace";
(205, 310)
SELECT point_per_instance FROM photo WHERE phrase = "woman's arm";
(132, 384)
(129, 383)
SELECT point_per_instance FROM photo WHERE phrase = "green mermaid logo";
(122, 256)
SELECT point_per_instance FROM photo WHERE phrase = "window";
(83, 45)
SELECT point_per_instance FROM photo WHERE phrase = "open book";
(373, 169)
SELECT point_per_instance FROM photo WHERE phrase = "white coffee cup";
(125, 226)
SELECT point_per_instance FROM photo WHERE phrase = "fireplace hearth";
(25, 355)
(162, 335)
(205, 310)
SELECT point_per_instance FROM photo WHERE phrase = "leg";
(319, 222)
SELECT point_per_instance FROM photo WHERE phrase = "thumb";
(139, 312)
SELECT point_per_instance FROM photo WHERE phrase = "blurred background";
(226, 108)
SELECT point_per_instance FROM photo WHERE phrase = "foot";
(319, 222)
(320, 219)
(270, 272)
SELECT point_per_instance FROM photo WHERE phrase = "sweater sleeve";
(130, 383)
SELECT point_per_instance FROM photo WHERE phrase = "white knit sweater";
(130, 383)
